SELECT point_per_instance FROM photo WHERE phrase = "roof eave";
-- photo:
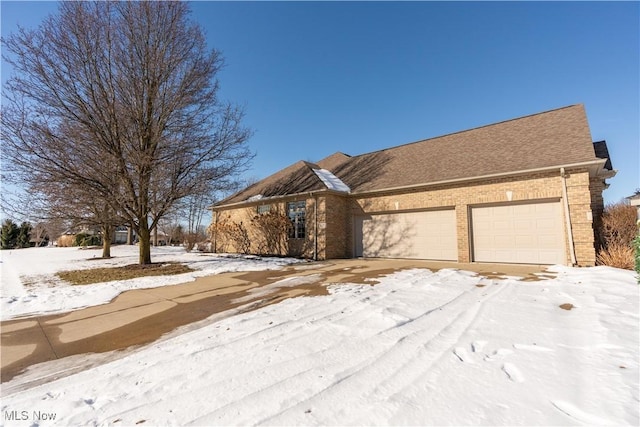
(595, 167)
(270, 199)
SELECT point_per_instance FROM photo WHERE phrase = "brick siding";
(335, 212)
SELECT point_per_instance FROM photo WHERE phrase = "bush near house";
(636, 243)
(84, 239)
(65, 240)
(231, 232)
(266, 234)
(618, 232)
(272, 230)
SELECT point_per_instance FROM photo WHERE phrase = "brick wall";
(579, 195)
(338, 227)
(242, 215)
(533, 187)
(335, 213)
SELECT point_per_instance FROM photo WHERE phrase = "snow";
(331, 181)
(30, 286)
(418, 348)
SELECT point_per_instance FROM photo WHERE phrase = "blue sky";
(321, 77)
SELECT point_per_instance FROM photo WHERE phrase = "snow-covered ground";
(30, 285)
(419, 348)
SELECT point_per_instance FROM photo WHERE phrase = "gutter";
(278, 198)
(594, 167)
(315, 228)
(215, 233)
(565, 202)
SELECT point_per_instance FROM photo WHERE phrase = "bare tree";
(77, 208)
(119, 100)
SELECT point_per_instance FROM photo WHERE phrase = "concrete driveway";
(142, 316)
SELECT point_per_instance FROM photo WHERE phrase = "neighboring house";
(39, 237)
(121, 234)
(527, 190)
(635, 201)
(163, 239)
(68, 237)
(124, 234)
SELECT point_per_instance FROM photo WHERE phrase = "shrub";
(84, 239)
(617, 232)
(272, 229)
(617, 255)
(636, 243)
(65, 240)
(235, 233)
(618, 224)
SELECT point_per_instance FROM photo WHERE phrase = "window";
(264, 209)
(296, 213)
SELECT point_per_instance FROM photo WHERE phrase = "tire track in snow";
(348, 357)
(303, 372)
(297, 328)
(414, 348)
(440, 348)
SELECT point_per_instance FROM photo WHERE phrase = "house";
(635, 201)
(123, 234)
(526, 190)
(39, 236)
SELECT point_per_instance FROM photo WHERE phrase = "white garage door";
(420, 235)
(521, 233)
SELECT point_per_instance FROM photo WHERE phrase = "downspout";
(214, 233)
(315, 228)
(572, 249)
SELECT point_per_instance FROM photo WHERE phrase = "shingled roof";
(554, 138)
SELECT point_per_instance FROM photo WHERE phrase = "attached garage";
(529, 233)
(418, 235)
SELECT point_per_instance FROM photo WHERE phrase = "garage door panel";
(546, 208)
(525, 241)
(547, 242)
(420, 235)
(520, 224)
(521, 233)
(545, 224)
(502, 241)
(499, 223)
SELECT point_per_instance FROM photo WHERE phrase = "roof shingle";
(556, 137)
(552, 138)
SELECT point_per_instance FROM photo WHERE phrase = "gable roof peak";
(333, 161)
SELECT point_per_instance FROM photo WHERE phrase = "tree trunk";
(129, 235)
(106, 241)
(144, 237)
(155, 236)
